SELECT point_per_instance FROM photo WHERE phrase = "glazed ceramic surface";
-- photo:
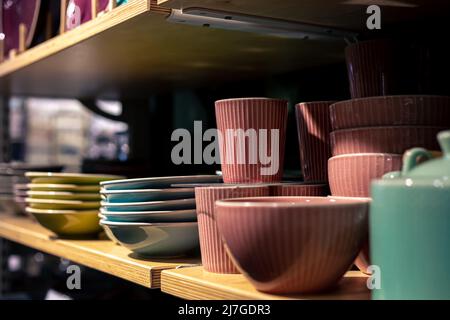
(60, 195)
(351, 175)
(214, 257)
(395, 140)
(293, 244)
(243, 164)
(155, 240)
(62, 204)
(409, 228)
(412, 110)
(68, 222)
(150, 216)
(157, 182)
(314, 127)
(63, 187)
(143, 195)
(68, 178)
(150, 206)
(298, 190)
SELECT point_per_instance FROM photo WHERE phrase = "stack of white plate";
(150, 217)
(66, 203)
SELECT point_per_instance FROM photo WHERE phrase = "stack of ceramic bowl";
(150, 217)
(66, 203)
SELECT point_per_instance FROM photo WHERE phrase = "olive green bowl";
(68, 223)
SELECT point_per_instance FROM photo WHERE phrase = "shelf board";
(196, 284)
(102, 255)
(133, 51)
(346, 14)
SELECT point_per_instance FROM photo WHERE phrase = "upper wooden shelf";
(196, 284)
(133, 50)
(102, 255)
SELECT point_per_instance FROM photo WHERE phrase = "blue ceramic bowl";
(155, 240)
(144, 195)
(151, 216)
(168, 205)
(157, 182)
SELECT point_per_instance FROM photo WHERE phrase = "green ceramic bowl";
(155, 240)
(68, 178)
(62, 204)
(64, 195)
(68, 223)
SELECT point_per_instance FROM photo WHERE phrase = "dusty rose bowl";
(314, 127)
(395, 139)
(298, 190)
(214, 257)
(350, 175)
(245, 114)
(293, 244)
(403, 110)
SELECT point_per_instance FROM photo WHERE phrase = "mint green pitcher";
(410, 227)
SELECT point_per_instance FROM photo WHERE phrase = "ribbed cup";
(245, 165)
(314, 127)
(396, 139)
(299, 190)
(351, 175)
(214, 257)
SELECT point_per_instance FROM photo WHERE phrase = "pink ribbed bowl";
(214, 257)
(298, 190)
(314, 127)
(293, 244)
(350, 175)
(391, 111)
(244, 165)
(396, 139)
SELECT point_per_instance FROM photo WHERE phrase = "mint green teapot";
(410, 227)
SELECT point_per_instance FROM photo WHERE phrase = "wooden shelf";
(196, 284)
(133, 51)
(102, 255)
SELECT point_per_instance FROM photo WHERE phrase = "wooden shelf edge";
(85, 31)
(101, 255)
(197, 284)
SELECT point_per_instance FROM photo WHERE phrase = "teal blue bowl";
(157, 182)
(155, 240)
(168, 205)
(145, 195)
(151, 216)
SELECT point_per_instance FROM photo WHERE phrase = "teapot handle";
(444, 142)
(411, 156)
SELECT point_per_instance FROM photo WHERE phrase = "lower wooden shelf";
(197, 284)
(102, 255)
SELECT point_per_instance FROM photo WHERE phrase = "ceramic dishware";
(51, 204)
(68, 178)
(157, 182)
(143, 195)
(150, 205)
(393, 139)
(252, 139)
(409, 228)
(313, 127)
(68, 222)
(293, 244)
(155, 239)
(63, 195)
(214, 257)
(402, 110)
(150, 216)
(351, 175)
(298, 190)
(64, 187)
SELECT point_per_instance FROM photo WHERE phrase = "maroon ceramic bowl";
(214, 257)
(292, 244)
(370, 66)
(351, 175)
(298, 190)
(240, 155)
(314, 127)
(415, 110)
(383, 139)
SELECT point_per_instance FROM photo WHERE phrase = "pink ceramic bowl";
(292, 244)
(314, 127)
(259, 118)
(298, 190)
(391, 111)
(383, 139)
(214, 257)
(350, 175)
